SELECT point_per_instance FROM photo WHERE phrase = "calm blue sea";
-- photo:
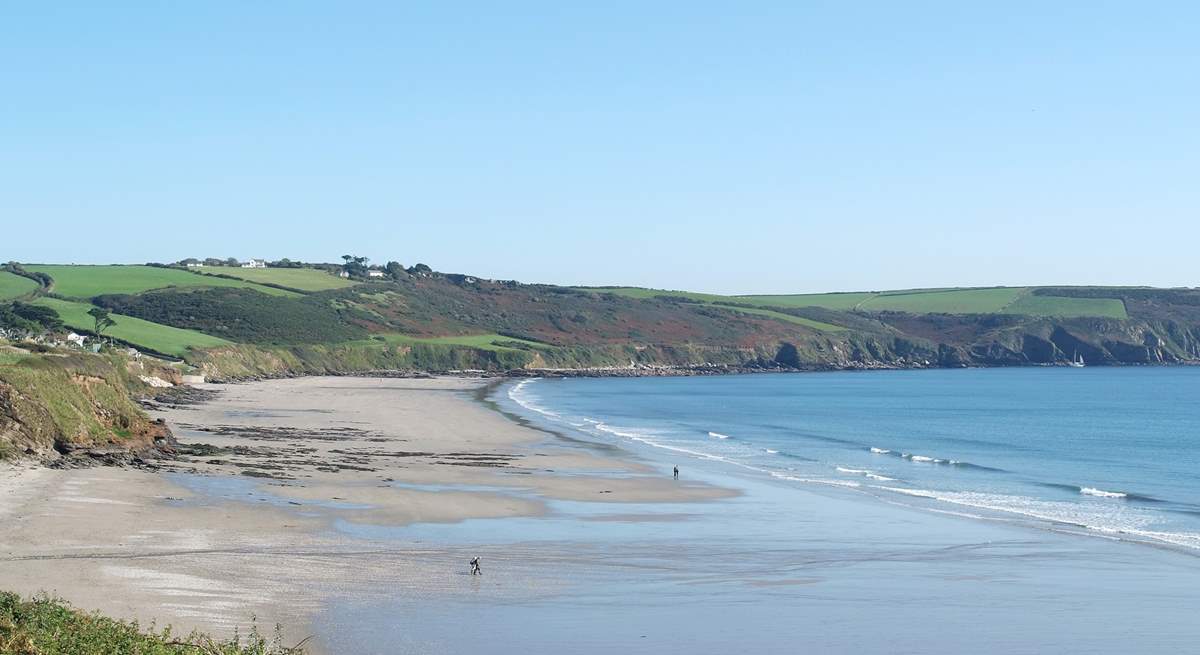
(1110, 451)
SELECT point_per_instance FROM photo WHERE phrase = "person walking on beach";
(475, 570)
(676, 472)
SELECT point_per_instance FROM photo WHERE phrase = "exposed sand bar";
(244, 528)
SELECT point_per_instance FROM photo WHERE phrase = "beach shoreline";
(245, 521)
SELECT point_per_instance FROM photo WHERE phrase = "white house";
(76, 339)
(255, 263)
(194, 265)
(343, 274)
(374, 273)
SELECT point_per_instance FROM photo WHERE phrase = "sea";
(992, 511)
(1107, 451)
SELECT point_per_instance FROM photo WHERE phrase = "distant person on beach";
(676, 472)
(475, 570)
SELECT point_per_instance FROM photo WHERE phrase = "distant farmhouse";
(194, 265)
(255, 263)
(375, 273)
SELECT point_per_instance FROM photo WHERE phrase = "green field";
(81, 281)
(762, 309)
(160, 338)
(305, 279)
(492, 342)
(993, 300)
(956, 301)
(787, 318)
(1067, 307)
(14, 286)
(841, 301)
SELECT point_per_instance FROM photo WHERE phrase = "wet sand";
(266, 514)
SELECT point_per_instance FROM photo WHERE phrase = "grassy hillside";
(954, 301)
(243, 315)
(153, 336)
(15, 286)
(843, 301)
(1033, 305)
(305, 279)
(997, 300)
(427, 320)
(820, 326)
(78, 281)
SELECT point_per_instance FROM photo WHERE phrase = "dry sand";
(290, 457)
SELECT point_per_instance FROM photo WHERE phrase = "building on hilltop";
(194, 265)
(375, 273)
(255, 263)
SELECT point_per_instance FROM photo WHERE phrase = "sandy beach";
(241, 526)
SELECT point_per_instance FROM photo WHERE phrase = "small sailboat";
(1077, 361)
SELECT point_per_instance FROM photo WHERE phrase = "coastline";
(266, 518)
(666, 370)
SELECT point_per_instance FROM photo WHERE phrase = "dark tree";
(395, 270)
(102, 318)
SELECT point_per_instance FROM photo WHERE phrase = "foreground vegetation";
(45, 626)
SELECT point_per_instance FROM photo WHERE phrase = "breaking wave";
(1092, 491)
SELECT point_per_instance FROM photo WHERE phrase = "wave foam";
(834, 483)
(520, 396)
(1116, 519)
(718, 435)
(880, 451)
(866, 473)
(1092, 491)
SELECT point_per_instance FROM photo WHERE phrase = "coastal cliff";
(77, 405)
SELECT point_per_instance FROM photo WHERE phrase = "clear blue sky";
(727, 147)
